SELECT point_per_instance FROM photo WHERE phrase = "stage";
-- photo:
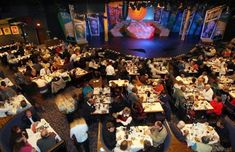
(149, 48)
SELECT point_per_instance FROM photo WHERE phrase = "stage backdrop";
(210, 22)
(67, 25)
(94, 25)
(114, 13)
(79, 25)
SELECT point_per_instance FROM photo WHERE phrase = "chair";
(101, 138)
(230, 125)
(229, 109)
(167, 141)
(59, 147)
(5, 133)
(177, 132)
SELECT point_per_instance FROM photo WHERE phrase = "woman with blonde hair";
(79, 134)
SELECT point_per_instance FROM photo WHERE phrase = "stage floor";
(156, 47)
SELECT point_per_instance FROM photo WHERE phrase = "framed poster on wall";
(6, 30)
(158, 14)
(210, 22)
(94, 26)
(15, 30)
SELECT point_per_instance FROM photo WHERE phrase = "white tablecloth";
(197, 131)
(119, 82)
(13, 106)
(34, 137)
(7, 81)
(152, 107)
(136, 136)
(98, 90)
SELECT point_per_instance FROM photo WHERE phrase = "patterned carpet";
(54, 117)
(59, 122)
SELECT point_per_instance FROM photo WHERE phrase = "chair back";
(102, 140)
(167, 141)
(59, 147)
(230, 125)
(5, 133)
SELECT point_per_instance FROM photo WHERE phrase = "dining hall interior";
(117, 76)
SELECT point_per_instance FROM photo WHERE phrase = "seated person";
(217, 104)
(86, 89)
(147, 147)
(158, 134)
(118, 103)
(200, 83)
(158, 88)
(176, 129)
(130, 86)
(45, 70)
(47, 141)
(22, 145)
(29, 118)
(124, 147)
(109, 135)
(133, 97)
(138, 111)
(17, 132)
(202, 146)
(124, 117)
(23, 106)
(6, 92)
(88, 107)
(223, 133)
(204, 77)
(207, 92)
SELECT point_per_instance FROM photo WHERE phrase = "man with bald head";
(158, 135)
(47, 141)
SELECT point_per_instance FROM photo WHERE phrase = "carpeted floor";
(54, 117)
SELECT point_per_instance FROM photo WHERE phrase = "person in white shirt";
(205, 77)
(93, 65)
(207, 92)
(110, 72)
(75, 56)
(45, 70)
(79, 134)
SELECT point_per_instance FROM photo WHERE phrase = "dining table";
(118, 82)
(102, 103)
(13, 106)
(134, 135)
(34, 133)
(152, 107)
(197, 131)
(7, 81)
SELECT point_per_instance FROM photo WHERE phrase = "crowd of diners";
(197, 87)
